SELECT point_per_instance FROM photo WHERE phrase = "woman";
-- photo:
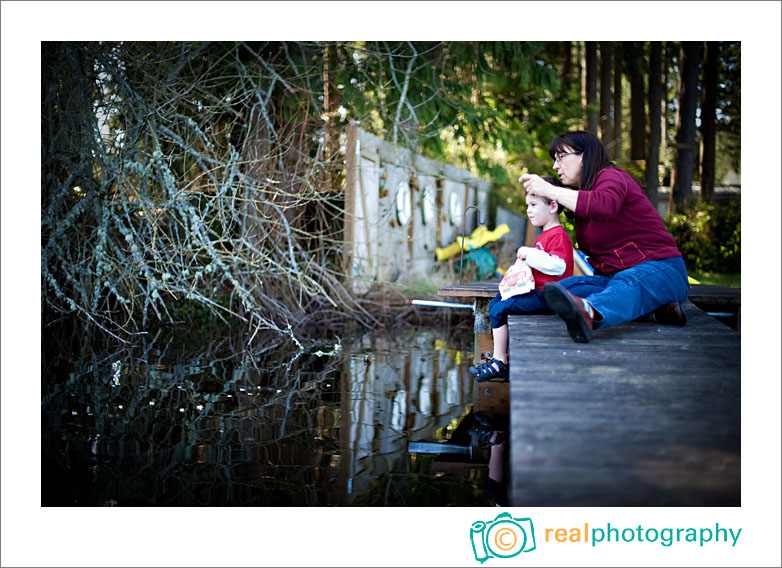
(639, 270)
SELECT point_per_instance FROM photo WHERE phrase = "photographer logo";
(504, 537)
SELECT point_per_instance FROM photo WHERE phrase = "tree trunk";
(637, 108)
(684, 164)
(617, 153)
(708, 118)
(666, 51)
(655, 95)
(606, 67)
(589, 86)
(567, 65)
(326, 105)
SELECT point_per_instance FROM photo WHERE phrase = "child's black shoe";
(493, 370)
(490, 437)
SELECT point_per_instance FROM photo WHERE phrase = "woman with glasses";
(638, 269)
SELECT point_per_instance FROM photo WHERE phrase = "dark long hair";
(553, 181)
(593, 155)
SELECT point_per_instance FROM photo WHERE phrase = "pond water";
(211, 422)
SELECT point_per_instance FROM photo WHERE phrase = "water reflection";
(166, 423)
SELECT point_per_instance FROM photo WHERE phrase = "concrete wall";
(399, 207)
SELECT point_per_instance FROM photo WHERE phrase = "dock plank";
(644, 415)
(699, 293)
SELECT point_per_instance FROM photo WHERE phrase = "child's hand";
(521, 254)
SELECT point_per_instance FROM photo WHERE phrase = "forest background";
(202, 181)
(91, 537)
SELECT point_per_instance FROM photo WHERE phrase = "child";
(551, 259)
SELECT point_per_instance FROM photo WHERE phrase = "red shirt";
(554, 241)
(617, 226)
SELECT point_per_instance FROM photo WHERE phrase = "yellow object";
(479, 237)
(692, 280)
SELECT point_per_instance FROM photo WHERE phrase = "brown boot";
(571, 309)
(671, 314)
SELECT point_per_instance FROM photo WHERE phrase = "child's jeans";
(530, 303)
(632, 293)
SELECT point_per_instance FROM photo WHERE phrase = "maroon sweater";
(617, 226)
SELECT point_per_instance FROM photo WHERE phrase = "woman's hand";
(535, 185)
(522, 253)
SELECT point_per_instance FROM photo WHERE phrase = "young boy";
(551, 259)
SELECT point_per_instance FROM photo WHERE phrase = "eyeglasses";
(558, 157)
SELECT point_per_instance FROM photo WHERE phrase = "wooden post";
(413, 187)
(465, 224)
(492, 398)
(483, 341)
(488, 398)
(351, 171)
(438, 204)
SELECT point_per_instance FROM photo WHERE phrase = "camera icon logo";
(504, 537)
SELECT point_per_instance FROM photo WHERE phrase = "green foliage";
(194, 312)
(731, 279)
(569, 223)
(636, 169)
(490, 107)
(708, 236)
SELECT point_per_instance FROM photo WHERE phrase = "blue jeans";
(632, 293)
(530, 303)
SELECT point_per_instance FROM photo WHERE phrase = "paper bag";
(517, 280)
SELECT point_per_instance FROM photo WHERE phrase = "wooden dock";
(706, 296)
(644, 415)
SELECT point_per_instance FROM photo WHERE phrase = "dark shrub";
(708, 236)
